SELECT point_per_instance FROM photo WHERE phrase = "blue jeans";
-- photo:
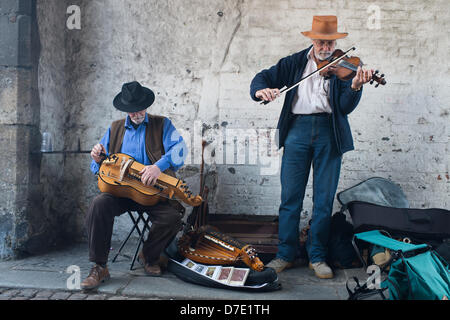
(310, 141)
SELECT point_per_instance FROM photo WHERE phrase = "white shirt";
(312, 94)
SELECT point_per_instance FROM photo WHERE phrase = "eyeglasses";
(322, 43)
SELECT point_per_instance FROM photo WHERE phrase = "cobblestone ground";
(38, 294)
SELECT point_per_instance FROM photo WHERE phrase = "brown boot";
(96, 276)
(153, 270)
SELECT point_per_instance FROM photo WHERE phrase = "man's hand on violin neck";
(96, 151)
(267, 94)
(149, 175)
(362, 77)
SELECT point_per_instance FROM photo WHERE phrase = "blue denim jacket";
(287, 72)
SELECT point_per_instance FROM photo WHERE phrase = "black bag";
(378, 203)
(341, 253)
(418, 224)
(444, 251)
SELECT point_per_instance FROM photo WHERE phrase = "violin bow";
(314, 72)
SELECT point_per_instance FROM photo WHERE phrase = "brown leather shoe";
(162, 262)
(97, 276)
(153, 270)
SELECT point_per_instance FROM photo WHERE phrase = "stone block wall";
(21, 228)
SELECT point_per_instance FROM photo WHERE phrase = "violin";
(340, 65)
(346, 68)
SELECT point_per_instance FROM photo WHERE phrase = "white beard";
(138, 121)
(323, 55)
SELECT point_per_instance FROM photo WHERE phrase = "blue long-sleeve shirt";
(134, 145)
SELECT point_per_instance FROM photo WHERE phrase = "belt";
(319, 114)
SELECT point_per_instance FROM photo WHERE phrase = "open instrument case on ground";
(255, 281)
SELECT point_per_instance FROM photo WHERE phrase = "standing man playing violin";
(150, 140)
(314, 131)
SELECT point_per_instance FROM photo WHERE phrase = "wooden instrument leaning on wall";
(119, 176)
(209, 246)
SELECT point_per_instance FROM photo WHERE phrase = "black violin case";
(380, 204)
(264, 281)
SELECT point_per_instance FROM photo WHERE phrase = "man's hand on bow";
(267, 94)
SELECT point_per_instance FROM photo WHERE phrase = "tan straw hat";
(324, 28)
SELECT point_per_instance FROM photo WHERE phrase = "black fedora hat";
(134, 97)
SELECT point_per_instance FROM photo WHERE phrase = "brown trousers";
(166, 222)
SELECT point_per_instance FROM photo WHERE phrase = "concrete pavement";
(57, 272)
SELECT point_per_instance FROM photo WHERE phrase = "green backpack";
(425, 276)
(416, 272)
